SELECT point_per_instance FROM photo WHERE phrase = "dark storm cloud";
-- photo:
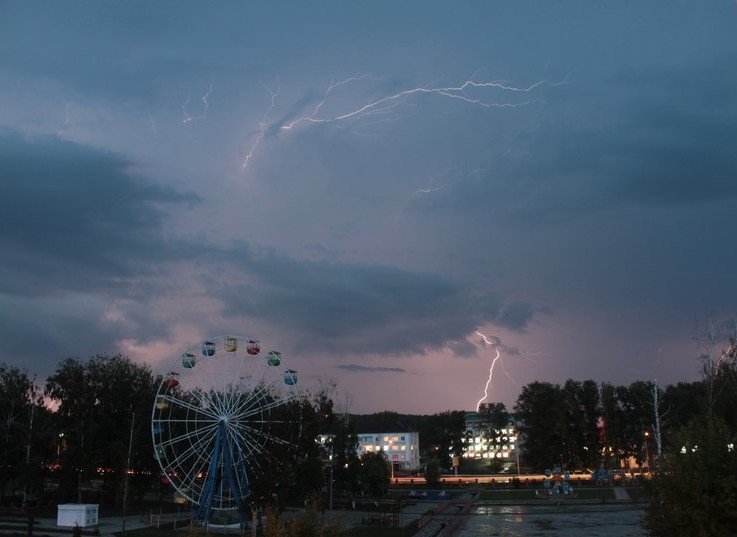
(651, 138)
(462, 348)
(38, 332)
(355, 368)
(74, 218)
(364, 308)
(516, 316)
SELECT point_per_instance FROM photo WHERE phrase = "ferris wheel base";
(227, 528)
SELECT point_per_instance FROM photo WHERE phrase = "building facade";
(484, 441)
(401, 449)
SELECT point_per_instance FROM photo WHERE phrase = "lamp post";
(647, 449)
(331, 480)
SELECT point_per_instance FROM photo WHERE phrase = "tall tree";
(24, 432)
(96, 401)
(541, 413)
(441, 436)
(373, 474)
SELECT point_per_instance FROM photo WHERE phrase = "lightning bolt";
(390, 101)
(491, 368)
(469, 92)
(428, 189)
(186, 118)
(67, 121)
(262, 125)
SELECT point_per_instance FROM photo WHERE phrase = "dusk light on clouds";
(370, 187)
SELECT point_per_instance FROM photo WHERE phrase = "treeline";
(71, 435)
(68, 440)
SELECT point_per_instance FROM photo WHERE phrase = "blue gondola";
(208, 348)
(290, 377)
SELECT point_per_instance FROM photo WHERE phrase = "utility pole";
(331, 482)
(28, 454)
(656, 410)
(79, 470)
(127, 466)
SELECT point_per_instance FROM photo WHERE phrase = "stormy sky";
(369, 187)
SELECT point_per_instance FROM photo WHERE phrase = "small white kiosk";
(83, 515)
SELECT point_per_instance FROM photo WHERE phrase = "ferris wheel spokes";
(223, 417)
(258, 394)
(276, 403)
(189, 406)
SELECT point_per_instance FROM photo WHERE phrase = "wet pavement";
(569, 521)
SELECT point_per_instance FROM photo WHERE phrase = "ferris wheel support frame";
(219, 474)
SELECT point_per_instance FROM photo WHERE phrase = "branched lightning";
(469, 92)
(262, 125)
(428, 189)
(491, 368)
(187, 118)
(67, 121)
(390, 101)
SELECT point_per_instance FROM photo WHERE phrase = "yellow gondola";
(231, 344)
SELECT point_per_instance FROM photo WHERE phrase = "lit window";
(386, 448)
(404, 448)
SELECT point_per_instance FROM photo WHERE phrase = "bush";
(695, 495)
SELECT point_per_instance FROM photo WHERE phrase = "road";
(473, 479)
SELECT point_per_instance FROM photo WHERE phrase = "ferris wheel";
(225, 413)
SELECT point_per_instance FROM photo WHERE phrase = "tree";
(442, 436)
(695, 494)
(373, 474)
(495, 414)
(627, 414)
(541, 413)
(581, 433)
(96, 401)
(432, 472)
(24, 433)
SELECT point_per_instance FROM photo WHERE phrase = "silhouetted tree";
(695, 493)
